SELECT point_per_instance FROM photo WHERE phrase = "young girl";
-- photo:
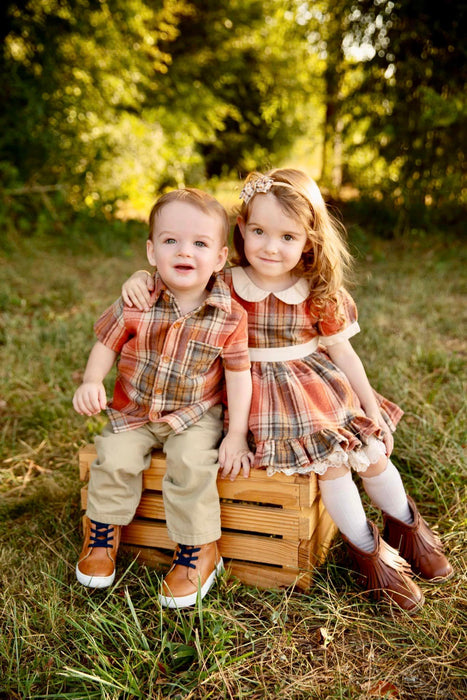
(313, 409)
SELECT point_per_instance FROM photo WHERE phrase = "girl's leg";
(342, 501)
(404, 528)
(382, 570)
(383, 484)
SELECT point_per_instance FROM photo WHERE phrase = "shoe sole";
(189, 600)
(94, 581)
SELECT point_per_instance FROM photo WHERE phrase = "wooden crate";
(275, 530)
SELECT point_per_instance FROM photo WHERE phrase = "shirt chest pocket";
(199, 358)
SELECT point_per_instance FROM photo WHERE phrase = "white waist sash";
(288, 352)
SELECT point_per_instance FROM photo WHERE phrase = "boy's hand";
(90, 398)
(234, 455)
(136, 291)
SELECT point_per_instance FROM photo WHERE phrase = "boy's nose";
(184, 250)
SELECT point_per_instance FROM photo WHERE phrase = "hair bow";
(261, 184)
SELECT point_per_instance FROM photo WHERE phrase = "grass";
(59, 640)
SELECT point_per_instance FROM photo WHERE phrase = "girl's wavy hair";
(199, 199)
(327, 260)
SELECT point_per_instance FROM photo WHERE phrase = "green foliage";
(119, 100)
(107, 103)
(412, 94)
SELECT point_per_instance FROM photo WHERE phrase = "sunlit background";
(105, 103)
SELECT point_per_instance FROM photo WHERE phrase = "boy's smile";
(186, 248)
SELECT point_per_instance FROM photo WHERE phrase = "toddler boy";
(172, 363)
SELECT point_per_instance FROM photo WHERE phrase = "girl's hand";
(90, 398)
(234, 455)
(388, 438)
(136, 291)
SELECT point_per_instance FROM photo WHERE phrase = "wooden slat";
(270, 521)
(268, 576)
(158, 558)
(266, 550)
(257, 490)
(314, 551)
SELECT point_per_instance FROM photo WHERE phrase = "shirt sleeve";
(111, 329)
(235, 351)
(339, 320)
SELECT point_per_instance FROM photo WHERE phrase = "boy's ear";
(241, 225)
(150, 252)
(222, 259)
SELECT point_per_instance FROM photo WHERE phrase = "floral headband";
(263, 184)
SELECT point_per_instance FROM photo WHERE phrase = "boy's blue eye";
(200, 244)
(170, 241)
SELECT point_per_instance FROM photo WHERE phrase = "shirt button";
(158, 391)
(177, 324)
(166, 358)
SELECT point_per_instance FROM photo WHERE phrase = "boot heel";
(418, 545)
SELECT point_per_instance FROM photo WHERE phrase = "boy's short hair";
(202, 200)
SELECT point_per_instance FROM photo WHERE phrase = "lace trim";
(358, 460)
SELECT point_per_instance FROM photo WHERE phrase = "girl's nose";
(271, 246)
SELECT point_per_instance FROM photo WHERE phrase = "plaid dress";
(305, 416)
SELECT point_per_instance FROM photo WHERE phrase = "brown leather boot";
(194, 568)
(96, 563)
(418, 545)
(384, 573)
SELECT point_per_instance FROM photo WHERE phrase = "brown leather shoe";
(193, 568)
(96, 563)
(418, 545)
(384, 573)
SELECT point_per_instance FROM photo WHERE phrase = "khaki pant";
(189, 486)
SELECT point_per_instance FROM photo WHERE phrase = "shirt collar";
(219, 293)
(249, 291)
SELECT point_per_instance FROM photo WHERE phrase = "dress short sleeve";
(339, 320)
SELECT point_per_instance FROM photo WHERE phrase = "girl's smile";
(274, 243)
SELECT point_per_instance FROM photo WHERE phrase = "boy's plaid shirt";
(171, 367)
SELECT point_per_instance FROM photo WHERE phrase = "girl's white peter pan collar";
(249, 291)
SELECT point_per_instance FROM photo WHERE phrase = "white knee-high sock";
(387, 492)
(343, 503)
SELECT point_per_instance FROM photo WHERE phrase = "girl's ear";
(241, 225)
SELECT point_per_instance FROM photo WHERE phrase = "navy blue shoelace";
(186, 555)
(101, 534)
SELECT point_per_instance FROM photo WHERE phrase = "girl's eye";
(288, 237)
(258, 231)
